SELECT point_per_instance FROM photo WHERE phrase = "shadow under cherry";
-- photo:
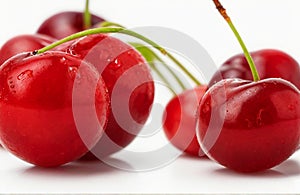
(74, 169)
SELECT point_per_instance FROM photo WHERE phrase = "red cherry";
(180, 120)
(38, 98)
(65, 23)
(124, 68)
(23, 43)
(250, 126)
(270, 63)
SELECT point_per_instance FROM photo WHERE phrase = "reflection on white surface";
(185, 175)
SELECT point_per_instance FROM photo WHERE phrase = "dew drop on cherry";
(24, 75)
(73, 71)
(117, 64)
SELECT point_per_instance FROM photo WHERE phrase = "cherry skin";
(180, 120)
(250, 126)
(37, 102)
(270, 63)
(23, 43)
(124, 68)
(65, 23)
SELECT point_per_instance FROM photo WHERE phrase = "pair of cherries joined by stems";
(244, 125)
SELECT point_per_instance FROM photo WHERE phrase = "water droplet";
(63, 60)
(24, 75)
(73, 68)
(116, 65)
(73, 71)
(10, 82)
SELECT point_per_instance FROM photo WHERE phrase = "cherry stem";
(110, 24)
(250, 61)
(122, 31)
(142, 49)
(151, 56)
(87, 16)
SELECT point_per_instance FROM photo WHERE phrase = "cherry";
(270, 63)
(43, 99)
(66, 23)
(249, 126)
(256, 123)
(115, 59)
(180, 120)
(23, 43)
(124, 69)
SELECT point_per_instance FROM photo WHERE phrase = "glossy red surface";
(130, 86)
(270, 63)
(64, 24)
(250, 126)
(180, 118)
(37, 105)
(23, 43)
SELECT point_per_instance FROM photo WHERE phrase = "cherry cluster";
(58, 98)
(248, 116)
(46, 97)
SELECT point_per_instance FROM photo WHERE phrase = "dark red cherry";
(45, 103)
(130, 86)
(65, 23)
(270, 63)
(23, 43)
(250, 126)
(180, 118)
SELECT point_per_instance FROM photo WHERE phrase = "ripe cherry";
(66, 23)
(249, 126)
(44, 99)
(180, 117)
(270, 63)
(127, 77)
(119, 62)
(23, 43)
(256, 125)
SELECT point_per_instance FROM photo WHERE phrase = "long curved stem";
(122, 31)
(154, 57)
(149, 51)
(110, 24)
(250, 61)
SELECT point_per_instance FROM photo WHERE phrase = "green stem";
(78, 35)
(109, 24)
(151, 56)
(87, 16)
(154, 68)
(250, 61)
(122, 31)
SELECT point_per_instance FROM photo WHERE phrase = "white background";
(262, 23)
